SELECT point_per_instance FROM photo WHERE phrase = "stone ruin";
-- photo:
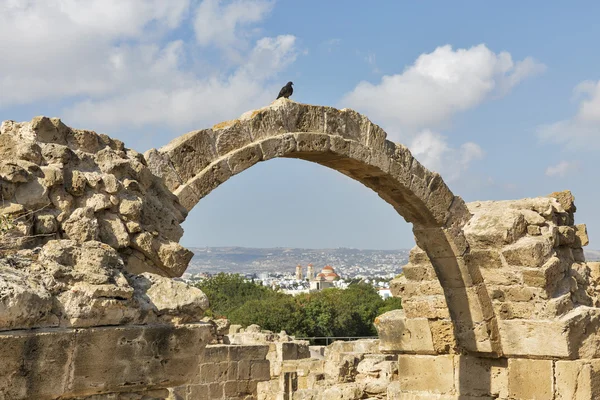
(499, 301)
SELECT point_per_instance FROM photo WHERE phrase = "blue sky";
(502, 99)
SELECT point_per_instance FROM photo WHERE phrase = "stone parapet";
(70, 363)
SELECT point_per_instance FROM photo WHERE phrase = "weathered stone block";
(399, 334)
(480, 377)
(530, 379)
(191, 153)
(581, 236)
(434, 374)
(419, 272)
(534, 338)
(278, 146)
(527, 252)
(431, 307)
(111, 359)
(577, 379)
(259, 370)
(231, 138)
(26, 359)
(244, 158)
(493, 225)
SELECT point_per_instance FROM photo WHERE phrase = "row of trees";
(330, 312)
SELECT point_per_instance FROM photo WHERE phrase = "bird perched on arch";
(286, 91)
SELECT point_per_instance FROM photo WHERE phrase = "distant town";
(278, 267)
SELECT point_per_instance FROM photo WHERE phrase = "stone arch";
(346, 141)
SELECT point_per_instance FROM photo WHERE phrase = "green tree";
(330, 312)
(227, 292)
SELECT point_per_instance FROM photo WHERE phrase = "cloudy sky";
(503, 100)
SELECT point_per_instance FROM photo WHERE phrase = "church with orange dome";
(324, 279)
(320, 281)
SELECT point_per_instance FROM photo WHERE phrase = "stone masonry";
(499, 301)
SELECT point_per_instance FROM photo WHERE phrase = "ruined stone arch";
(346, 141)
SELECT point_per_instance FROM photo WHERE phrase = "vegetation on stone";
(331, 312)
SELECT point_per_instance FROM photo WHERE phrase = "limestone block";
(33, 195)
(342, 392)
(173, 257)
(493, 225)
(399, 334)
(278, 146)
(45, 223)
(97, 360)
(260, 370)
(248, 352)
(24, 301)
(304, 118)
(481, 377)
(26, 359)
(442, 332)
(581, 236)
(112, 359)
(346, 123)
(50, 130)
(565, 235)
(440, 243)
(577, 379)
(75, 182)
(501, 276)
(244, 158)
(82, 225)
(62, 200)
(547, 277)
(484, 259)
(530, 379)
(231, 138)
(431, 307)
(96, 201)
(311, 142)
(566, 200)
(191, 152)
(339, 146)
(130, 207)
(174, 298)
(403, 288)
(14, 172)
(112, 231)
(542, 338)
(440, 198)
(419, 272)
(434, 374)
(527, 252)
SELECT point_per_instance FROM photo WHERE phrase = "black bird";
(286, 91)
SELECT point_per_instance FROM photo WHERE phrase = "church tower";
(299, 272)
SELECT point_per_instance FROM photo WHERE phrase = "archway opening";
(281, 224)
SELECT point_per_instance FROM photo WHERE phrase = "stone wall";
(499, 301)
(227, 372)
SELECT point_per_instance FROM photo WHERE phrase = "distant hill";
(592, 255)
(284, 260)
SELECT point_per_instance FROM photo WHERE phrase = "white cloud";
(218, 23)
(562, 169)
(427, 94)
(582, 131)
(433, 150)
(438, 85)
(182, 100)
(57, 48)
(120, 64)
